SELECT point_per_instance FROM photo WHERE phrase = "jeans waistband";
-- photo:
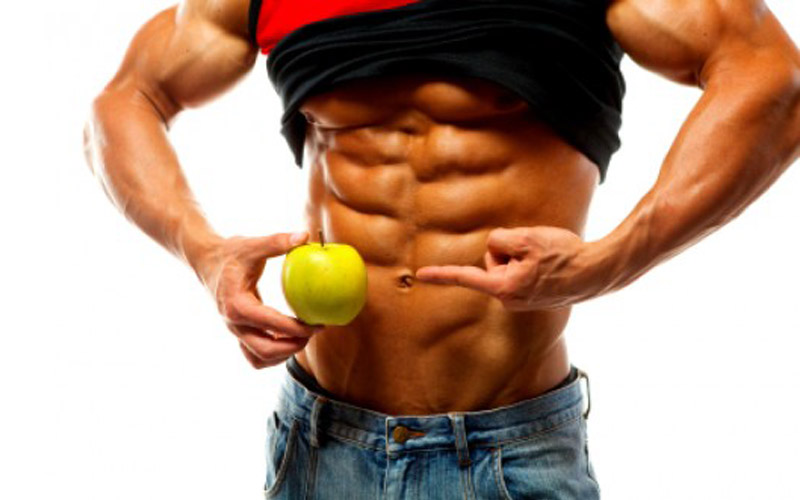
(324, 416)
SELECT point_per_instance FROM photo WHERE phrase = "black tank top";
(558, 55)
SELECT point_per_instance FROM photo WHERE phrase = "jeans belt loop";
(316, 430)
(457, 419)
(583, 375)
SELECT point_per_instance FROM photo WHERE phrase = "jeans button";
(400, 434)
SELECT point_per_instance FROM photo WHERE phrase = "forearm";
(739, 138)
(130, 154)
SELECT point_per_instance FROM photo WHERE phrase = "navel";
(405, 280)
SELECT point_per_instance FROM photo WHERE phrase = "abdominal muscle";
(415, 171)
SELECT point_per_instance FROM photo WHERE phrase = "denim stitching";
(354, 442)
(491, 444)
(386, 474)
(539, 433)
(312, 473)
(588, 460)
(361, 445)
(469, 487)
(488, 444)
(498, 473)
(284, 465)
(463, 483)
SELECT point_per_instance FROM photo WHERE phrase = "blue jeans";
(320, 448)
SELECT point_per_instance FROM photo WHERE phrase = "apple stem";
(321, 238)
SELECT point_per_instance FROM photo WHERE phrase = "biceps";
(754, 48)
(181, 59)
(669, 37)
(694, 41)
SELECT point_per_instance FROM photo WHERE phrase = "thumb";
(511, 242)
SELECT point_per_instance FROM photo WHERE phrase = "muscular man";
(456, 145)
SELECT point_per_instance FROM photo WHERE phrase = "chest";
(381, 100)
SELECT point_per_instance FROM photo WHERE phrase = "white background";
(119, 380)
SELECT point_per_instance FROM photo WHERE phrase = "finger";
(509, 242)
(274, 244)
(250, 311)
(467, 276)
(254, 360)
(239, 330)
(269, 350)
(491, 261)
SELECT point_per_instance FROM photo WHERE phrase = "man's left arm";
(741, 135)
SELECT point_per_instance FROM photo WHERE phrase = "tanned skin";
(468, 211)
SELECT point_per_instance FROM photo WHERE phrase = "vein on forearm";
(739, 138)
(139, 171)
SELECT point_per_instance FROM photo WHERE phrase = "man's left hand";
(527, 268)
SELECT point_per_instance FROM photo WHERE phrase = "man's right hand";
(231, 272)
(182, 57)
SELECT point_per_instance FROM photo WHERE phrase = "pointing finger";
(466, 276)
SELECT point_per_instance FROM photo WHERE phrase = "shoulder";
(676, 37)
(231, 16)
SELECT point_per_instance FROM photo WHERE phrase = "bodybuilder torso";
(415, 171)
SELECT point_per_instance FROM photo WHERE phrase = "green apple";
(325, 283)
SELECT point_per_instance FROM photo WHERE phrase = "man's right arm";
(182, 57)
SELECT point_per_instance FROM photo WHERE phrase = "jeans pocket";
(281, 437)
(551, 465)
